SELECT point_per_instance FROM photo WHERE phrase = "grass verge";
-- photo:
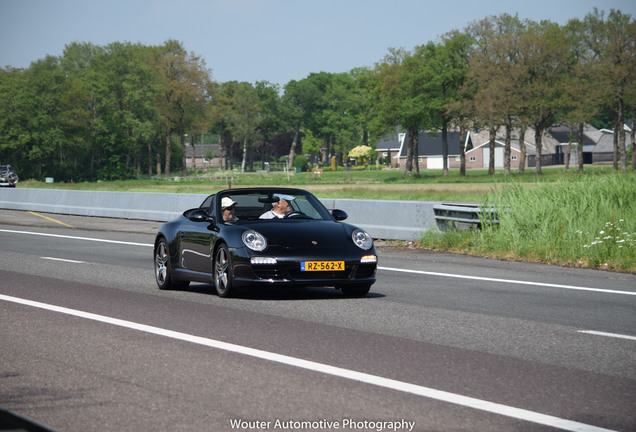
(590, 222)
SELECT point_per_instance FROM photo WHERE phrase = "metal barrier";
(463, 216)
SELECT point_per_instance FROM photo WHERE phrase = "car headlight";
(362, 239)
(254, 240)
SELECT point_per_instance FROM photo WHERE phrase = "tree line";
(126, 110)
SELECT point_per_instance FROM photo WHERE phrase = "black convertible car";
(258, 237)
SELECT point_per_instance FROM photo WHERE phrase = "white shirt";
(271, 215)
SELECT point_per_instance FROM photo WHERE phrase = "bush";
(301, 162)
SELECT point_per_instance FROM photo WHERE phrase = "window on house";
(472, 159)
(513, 157)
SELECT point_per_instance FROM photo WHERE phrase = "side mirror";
(339, 215)
(199, 215)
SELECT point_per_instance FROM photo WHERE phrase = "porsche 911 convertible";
(258, 237)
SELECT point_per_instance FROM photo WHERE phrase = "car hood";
(304, 233)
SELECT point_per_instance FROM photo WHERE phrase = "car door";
(195, 245)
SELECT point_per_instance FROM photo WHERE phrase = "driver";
(279, 208)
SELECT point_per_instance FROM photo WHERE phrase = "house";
(598, 147)
(603, 151)
(202, 156)
(479, 157)
(388, 147)
(430, 149)
(477, 145)
(567, 137)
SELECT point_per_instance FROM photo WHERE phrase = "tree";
(184, 80)
(42, 138)
(300, 102)
(582, 93)
(365, 99)
(613, 43)
(484, 77)
(361, 153)
(245, 118)
(221, 118)
(125, 88)
(340, 119)
(545, 57)
(85, 102)
(312, 146)
(399, 100)
(271, 121)
(498, 77)
(13, 136)
(443, 69)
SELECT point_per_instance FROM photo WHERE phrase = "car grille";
(315, 275)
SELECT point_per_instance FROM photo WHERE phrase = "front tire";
(223, 272)
(163, 273)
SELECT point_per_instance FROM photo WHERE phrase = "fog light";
(367, 259)
(263, 261)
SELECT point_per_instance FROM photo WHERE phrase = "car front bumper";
(287, 271)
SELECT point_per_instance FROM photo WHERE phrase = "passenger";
(279, 208)
(227, 209)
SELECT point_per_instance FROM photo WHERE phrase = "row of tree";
(113, 112)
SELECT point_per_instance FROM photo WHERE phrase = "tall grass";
(588, 222)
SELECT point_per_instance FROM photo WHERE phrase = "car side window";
(207, 204)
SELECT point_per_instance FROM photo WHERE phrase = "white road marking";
(612, 335)
(510, 281)
(77, 238)
(466, 401)
(64, 260)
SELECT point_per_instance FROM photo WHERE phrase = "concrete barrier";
(126, 205)
(386, 219)
(383, 219)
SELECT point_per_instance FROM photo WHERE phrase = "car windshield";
(261, 204)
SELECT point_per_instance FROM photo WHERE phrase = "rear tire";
(223, 272)
(163, 272)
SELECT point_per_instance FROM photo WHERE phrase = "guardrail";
(383, 219)
(462, 216)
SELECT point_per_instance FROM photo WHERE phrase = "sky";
(262, 40)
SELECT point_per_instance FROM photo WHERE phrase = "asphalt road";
(442, 343)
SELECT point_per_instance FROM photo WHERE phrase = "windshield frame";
(253, 202)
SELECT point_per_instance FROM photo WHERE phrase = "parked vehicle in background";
(8, 176)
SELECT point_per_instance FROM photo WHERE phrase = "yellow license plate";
(322, 266)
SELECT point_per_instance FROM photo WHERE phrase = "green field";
(430, 185)
(564, 218)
